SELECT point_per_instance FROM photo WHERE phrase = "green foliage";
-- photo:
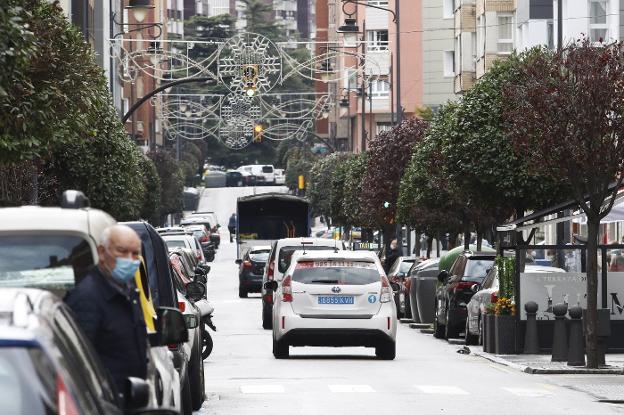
(150, 210)
(17, 47)
(54, 84)
(506, 277)
(352, 206)
(336, 193)
(259, 17)
(171, 182)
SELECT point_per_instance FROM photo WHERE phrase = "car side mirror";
(395, 287)
(270, 285)
(190, 321)
(401, 275)
(475, 288)
(195, 291)
(238, 261)
(200, 270)
(443, 276)
(137, 393)
(205, 268)
(171, 326)
(201, 278)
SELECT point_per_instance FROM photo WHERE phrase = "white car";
(334, 298)
(280, 177)
(177, 241)
(264, 173)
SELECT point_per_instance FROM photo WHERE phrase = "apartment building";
(364, 84)
(438, 55)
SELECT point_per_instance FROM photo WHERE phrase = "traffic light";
(257, 133)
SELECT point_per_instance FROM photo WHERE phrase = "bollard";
(560, 335)
(576, 353)
(531, 341)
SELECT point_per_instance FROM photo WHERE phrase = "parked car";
(210, 220)
(334, 298)
(175, 241)
(487, 294)
(47, 365)
(279, 260)
(53, 248)
(423, 279)
(398, 274)
(280, 177)
(455, 290)
(264, 173)
(234, 178)
(193, 347)
(251, 269)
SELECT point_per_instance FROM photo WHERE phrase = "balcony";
(499, 6)
(377, 62)
(484, 64)
(465, 19)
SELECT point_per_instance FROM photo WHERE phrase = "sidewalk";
(541, 363)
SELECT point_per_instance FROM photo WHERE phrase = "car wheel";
(450, 329)
(207, 343)
(280, 349)
(196, 375)
(242, 293)
(438, 329)
(267, 318)
(386, 351)
(187, 404)
(471, 339)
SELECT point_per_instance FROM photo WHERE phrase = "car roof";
(260, 248)
(87, 221)
(365, 256)
(541, 268)
(22, 311)
(314, 241)
(479, 254)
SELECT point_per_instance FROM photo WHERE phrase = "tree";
(321, 184)
(171, 181)
(389, 154)
(259, 18)
(336, 193)
(566, 116)
(352, 206)
(53, 84)
(150, 210)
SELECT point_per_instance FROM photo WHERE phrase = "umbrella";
(447, 260)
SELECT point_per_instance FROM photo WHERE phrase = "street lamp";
(350, 31)
(139, 9)
(183, 107)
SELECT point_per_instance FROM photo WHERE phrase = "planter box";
(505, 334)
(489, 338)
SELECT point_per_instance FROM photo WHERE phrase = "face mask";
(125, 269)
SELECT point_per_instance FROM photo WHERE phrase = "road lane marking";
(529, 392)
(441, 389)
(262, 389)
(351, 388)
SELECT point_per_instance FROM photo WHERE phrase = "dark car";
(398, 274)
(47, 365)
(252, 269)
(234, 178)
(456, 288)
(423, 279)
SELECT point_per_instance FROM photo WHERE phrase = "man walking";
(107, 306)
(232, 226)
(391, 255)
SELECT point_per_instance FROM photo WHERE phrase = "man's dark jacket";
(391, 256)
(114, 323)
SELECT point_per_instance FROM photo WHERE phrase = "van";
(265, 173)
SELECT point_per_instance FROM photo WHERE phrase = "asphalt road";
(427, 377)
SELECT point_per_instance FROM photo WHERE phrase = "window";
(334, 272)
(449, 63)
(598, 20)
(383, 126)
(550, 35)
(447, 11)
(505, 33)
(379, 3)
(377, 40)
(350, 79)
(379, 88)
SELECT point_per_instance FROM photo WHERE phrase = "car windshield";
(259, 256)
(173, 244)
(336, 272)
(477, 269)
(27, 382)
(406, 265)
(285, 254)
(53, 262)
(267, 169)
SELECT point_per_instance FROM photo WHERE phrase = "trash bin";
(422, 290)
(191, 198)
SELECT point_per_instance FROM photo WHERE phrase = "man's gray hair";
(105, 237)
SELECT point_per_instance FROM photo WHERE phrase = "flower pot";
(505, 334)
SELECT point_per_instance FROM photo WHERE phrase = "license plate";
(336, 299)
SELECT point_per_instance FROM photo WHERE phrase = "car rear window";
(267, 169)
(406, 265)
(27, 382)
(175, 243)
(52, 262)
(336, 272)
(285, 254)
(259, 256)
(477, 269)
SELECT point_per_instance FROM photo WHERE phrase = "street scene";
(311, 206)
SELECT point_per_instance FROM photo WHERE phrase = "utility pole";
(363, 90)
(399, 107)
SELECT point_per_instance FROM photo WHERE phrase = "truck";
(267, 217)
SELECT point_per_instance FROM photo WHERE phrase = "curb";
(426, 331)
(544, 371)
(406, 320)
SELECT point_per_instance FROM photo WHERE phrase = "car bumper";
(367, 332)
(254, 286)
